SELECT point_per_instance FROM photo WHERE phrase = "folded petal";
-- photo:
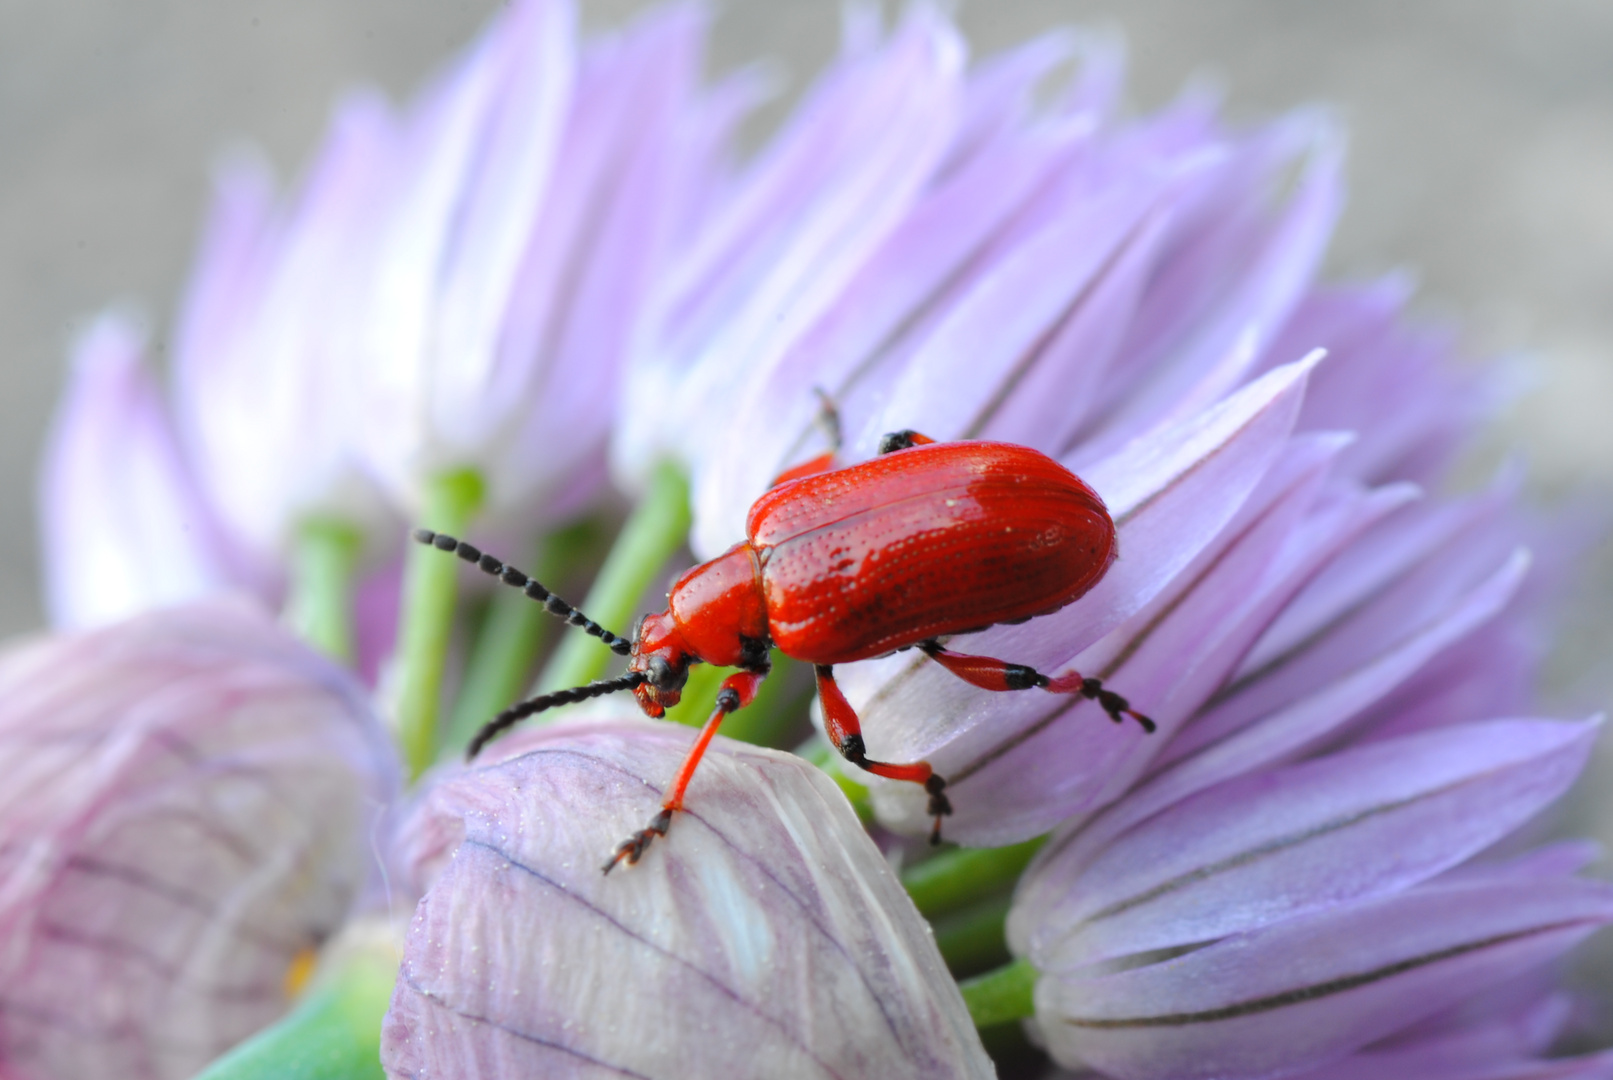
(764, 935)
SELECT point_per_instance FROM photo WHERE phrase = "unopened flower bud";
(186, 816)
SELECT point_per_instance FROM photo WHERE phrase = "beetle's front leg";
(738, 690)
(989, 673)
(845, 732)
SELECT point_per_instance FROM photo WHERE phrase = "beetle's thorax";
(716, 614)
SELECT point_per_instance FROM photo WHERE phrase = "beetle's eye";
(660, 672)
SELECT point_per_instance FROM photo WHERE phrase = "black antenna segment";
(509, 575)
(533, 706)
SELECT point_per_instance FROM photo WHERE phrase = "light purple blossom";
(771, 939)
(265, 384)
(190, 805)
(123, 526)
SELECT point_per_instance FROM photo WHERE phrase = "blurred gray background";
(1481, 157)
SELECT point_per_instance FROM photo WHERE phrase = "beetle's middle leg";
(845, 732)
(992, 674)
(738, 690)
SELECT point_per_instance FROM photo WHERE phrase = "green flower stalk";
(427, 618)
(512, 634)
(325, 554)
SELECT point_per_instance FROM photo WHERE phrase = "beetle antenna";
(509, 575)
(533, 706)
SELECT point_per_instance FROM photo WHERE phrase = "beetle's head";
(662, 657)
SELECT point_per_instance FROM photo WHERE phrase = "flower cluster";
(543, 279)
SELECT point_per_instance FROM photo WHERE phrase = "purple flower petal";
(900, 293)
(189, 804)
(1310, 990)
(1272, 265)
(764, 936)
(797, 230)
(475, 160)
(1262, 848)
(609, 226)
(124, 528)
(264, 375)
(1301, 727)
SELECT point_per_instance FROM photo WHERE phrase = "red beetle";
(926, 540)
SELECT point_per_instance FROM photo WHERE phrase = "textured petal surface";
(764, 936)
(1360, 823)
(188, 807)
(1312, 989)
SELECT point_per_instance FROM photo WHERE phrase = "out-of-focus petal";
(124, 528)
(476, 157)
(264, 373)
(188, 809)
(634, 150)
(1309, 990)
(764, 936)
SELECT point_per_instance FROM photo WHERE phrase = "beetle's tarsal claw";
(940, 806)
(633, 848)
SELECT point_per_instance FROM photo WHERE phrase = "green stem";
(512, 634)
(972, 940)
(324, 556)
(963, 876)
(333, 1033)
(1002, 995)
(430, 587)
(658, 526)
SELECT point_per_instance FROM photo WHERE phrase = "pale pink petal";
(189, 808)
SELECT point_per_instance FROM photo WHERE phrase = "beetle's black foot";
(634, 846)
(940, 805)
(1116, 706)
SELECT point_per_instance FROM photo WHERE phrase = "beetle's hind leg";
(845, 731)
(992, 674)
(892, 441)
